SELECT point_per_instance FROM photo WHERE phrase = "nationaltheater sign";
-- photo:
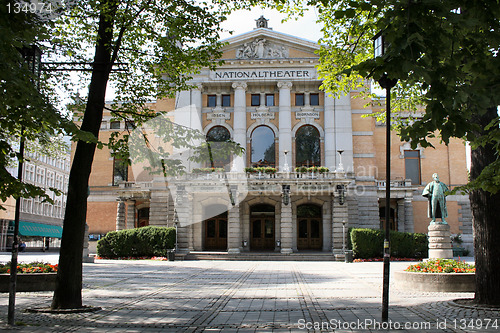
(270, 74)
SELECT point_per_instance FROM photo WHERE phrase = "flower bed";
(441, 275)
(34, 267)
(35, 276)
(442, 266)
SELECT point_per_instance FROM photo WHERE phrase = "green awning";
(38, 229)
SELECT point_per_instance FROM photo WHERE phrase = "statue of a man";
(435, 192)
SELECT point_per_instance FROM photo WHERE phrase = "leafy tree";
(163, 43)
(445, 56)
(26, 103)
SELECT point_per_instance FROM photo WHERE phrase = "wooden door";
(216, 233)
(309, 234)
(262, 233)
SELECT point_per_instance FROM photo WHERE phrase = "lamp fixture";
(286, 194)
(341, 192)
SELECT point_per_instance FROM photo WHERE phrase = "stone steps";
(256, 256)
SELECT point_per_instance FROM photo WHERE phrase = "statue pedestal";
(440, 242)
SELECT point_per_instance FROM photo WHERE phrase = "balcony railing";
(396, 183)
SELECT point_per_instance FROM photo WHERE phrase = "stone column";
(285, 121)
(286, 228)
(120, 215)
(409, 226)
(339, 215)
(330, 153)
(240, 122)
(233, 230)
(440, 241)
(401, 215)
(130, 214)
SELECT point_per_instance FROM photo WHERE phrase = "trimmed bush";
(140, 242)
(368, 243)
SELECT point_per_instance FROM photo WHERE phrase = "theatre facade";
(313, 163)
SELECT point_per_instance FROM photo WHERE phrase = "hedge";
(368, 243)
(140, 242)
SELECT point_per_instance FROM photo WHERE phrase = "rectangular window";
(255, 100)
(269, 99)
(114, 125)
(226, 100)
(120, 171)
(314, 99)
(299, 99)
(412, 166)
(211, 101)
(103, 125)
(129, 124)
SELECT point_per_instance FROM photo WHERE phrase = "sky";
(304, 27)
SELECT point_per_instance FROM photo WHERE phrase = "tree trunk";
(485, 212)
(68, 292)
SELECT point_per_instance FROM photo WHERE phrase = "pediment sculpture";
(260, 48)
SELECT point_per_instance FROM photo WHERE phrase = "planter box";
(30, 282)
(440, 282)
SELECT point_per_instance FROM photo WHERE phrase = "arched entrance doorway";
(262, 233)
(309, 227)
(215, 228)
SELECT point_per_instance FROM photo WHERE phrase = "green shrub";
(140, 242)
(368, 243)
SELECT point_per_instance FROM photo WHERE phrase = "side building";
(40, 223)
(312, 165)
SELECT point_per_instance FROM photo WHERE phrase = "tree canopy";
(26, 101)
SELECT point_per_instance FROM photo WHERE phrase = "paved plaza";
(245, 296)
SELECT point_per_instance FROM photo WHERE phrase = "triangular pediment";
(264, 43)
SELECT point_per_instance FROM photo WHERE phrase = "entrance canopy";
(37, 229)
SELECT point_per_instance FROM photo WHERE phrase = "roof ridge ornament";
(261, 22)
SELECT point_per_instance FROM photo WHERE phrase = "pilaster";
(234, 230)
(286, 228)
(339, 215)
(120, 215)
(240, 122)
(130, 214)
(285, 120)
(343, 130)
(401, 216)
(330, 142)
(158, 208)
(409, 225)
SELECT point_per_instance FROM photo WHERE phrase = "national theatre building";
(312, 165)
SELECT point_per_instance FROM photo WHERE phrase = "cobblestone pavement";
(238, 296)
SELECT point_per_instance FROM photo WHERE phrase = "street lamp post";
(380, 46)
(32, 55)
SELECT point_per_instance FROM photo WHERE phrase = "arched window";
(216, 138)
(307, 146)
(263, 153)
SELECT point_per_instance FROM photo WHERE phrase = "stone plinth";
(432, 282)
(440, 241)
